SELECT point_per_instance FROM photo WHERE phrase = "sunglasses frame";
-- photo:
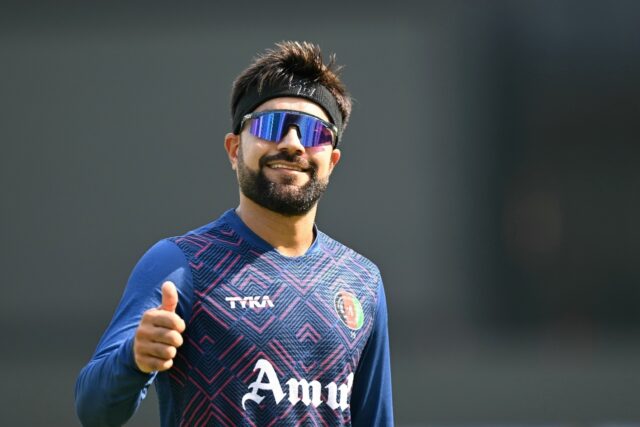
(326, 124)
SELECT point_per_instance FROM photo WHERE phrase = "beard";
(285, 197)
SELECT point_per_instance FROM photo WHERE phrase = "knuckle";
(179, 340)
(165, 352)
(138, 345)
(165, 319)
(148, 315)
(171, 352)
(174, 338)
(162, 352)
(164, 365)
(175, 322)
(141, 336)
(141, 331)
(179, 325)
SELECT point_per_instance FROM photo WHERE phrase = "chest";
(310, 319)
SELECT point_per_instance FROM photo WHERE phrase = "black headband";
(298, 88)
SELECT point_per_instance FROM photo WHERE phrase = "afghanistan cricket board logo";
(349, 310)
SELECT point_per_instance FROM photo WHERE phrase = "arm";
(110, 388)
(371, 402)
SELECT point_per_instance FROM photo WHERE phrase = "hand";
(159, 333)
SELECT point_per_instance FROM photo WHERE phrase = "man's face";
(284, 177)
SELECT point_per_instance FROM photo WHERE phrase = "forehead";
(296, 104)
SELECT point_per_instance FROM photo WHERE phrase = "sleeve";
(371, 401)
(110, 387)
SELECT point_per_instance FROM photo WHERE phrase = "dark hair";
(289, 61)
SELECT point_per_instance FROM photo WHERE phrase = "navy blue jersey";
(270, 340)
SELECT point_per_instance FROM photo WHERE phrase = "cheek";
(324, 166)
(251, 157)
(322, 158)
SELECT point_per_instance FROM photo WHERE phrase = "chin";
(290, 181)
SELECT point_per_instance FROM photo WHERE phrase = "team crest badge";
(349, 310)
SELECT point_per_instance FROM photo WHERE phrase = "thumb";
(169, 297)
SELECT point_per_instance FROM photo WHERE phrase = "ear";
(335, 158)
(231, 144)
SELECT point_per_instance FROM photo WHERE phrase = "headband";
(299, 88)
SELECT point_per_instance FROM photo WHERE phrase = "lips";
(287, 166)
(288, 162)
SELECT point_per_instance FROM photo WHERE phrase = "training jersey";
(270, 340)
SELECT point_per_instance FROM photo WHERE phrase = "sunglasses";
(273, 125)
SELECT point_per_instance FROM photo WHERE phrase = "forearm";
(110, 388)
(371, 400)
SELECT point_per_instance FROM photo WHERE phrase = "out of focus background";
(491, 169)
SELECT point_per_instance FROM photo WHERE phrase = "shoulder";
(164, 255)
(219, 231)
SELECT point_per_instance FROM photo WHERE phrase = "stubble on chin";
(284, 197)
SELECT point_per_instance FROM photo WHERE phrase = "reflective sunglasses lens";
(273, 126)
(268, 126)
(313, 132)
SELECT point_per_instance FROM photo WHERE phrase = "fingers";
(160, 327)
(158, 335)
(154, 347)
(149, 364)
(160, 351)
(169, 297)
(152, 356)
(163, 319)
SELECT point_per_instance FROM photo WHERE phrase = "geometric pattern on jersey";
(301, 336)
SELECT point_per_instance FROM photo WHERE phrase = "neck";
(289, 235)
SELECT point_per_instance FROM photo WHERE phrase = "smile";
(286, 166)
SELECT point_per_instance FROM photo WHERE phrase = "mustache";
(284, 156)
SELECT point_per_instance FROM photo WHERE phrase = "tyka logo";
(250, 302)
(309, 393)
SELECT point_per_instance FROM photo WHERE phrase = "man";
(257, 318)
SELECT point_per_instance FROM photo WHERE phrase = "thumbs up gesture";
(159, 333)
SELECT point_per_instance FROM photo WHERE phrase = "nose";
(291, 141)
